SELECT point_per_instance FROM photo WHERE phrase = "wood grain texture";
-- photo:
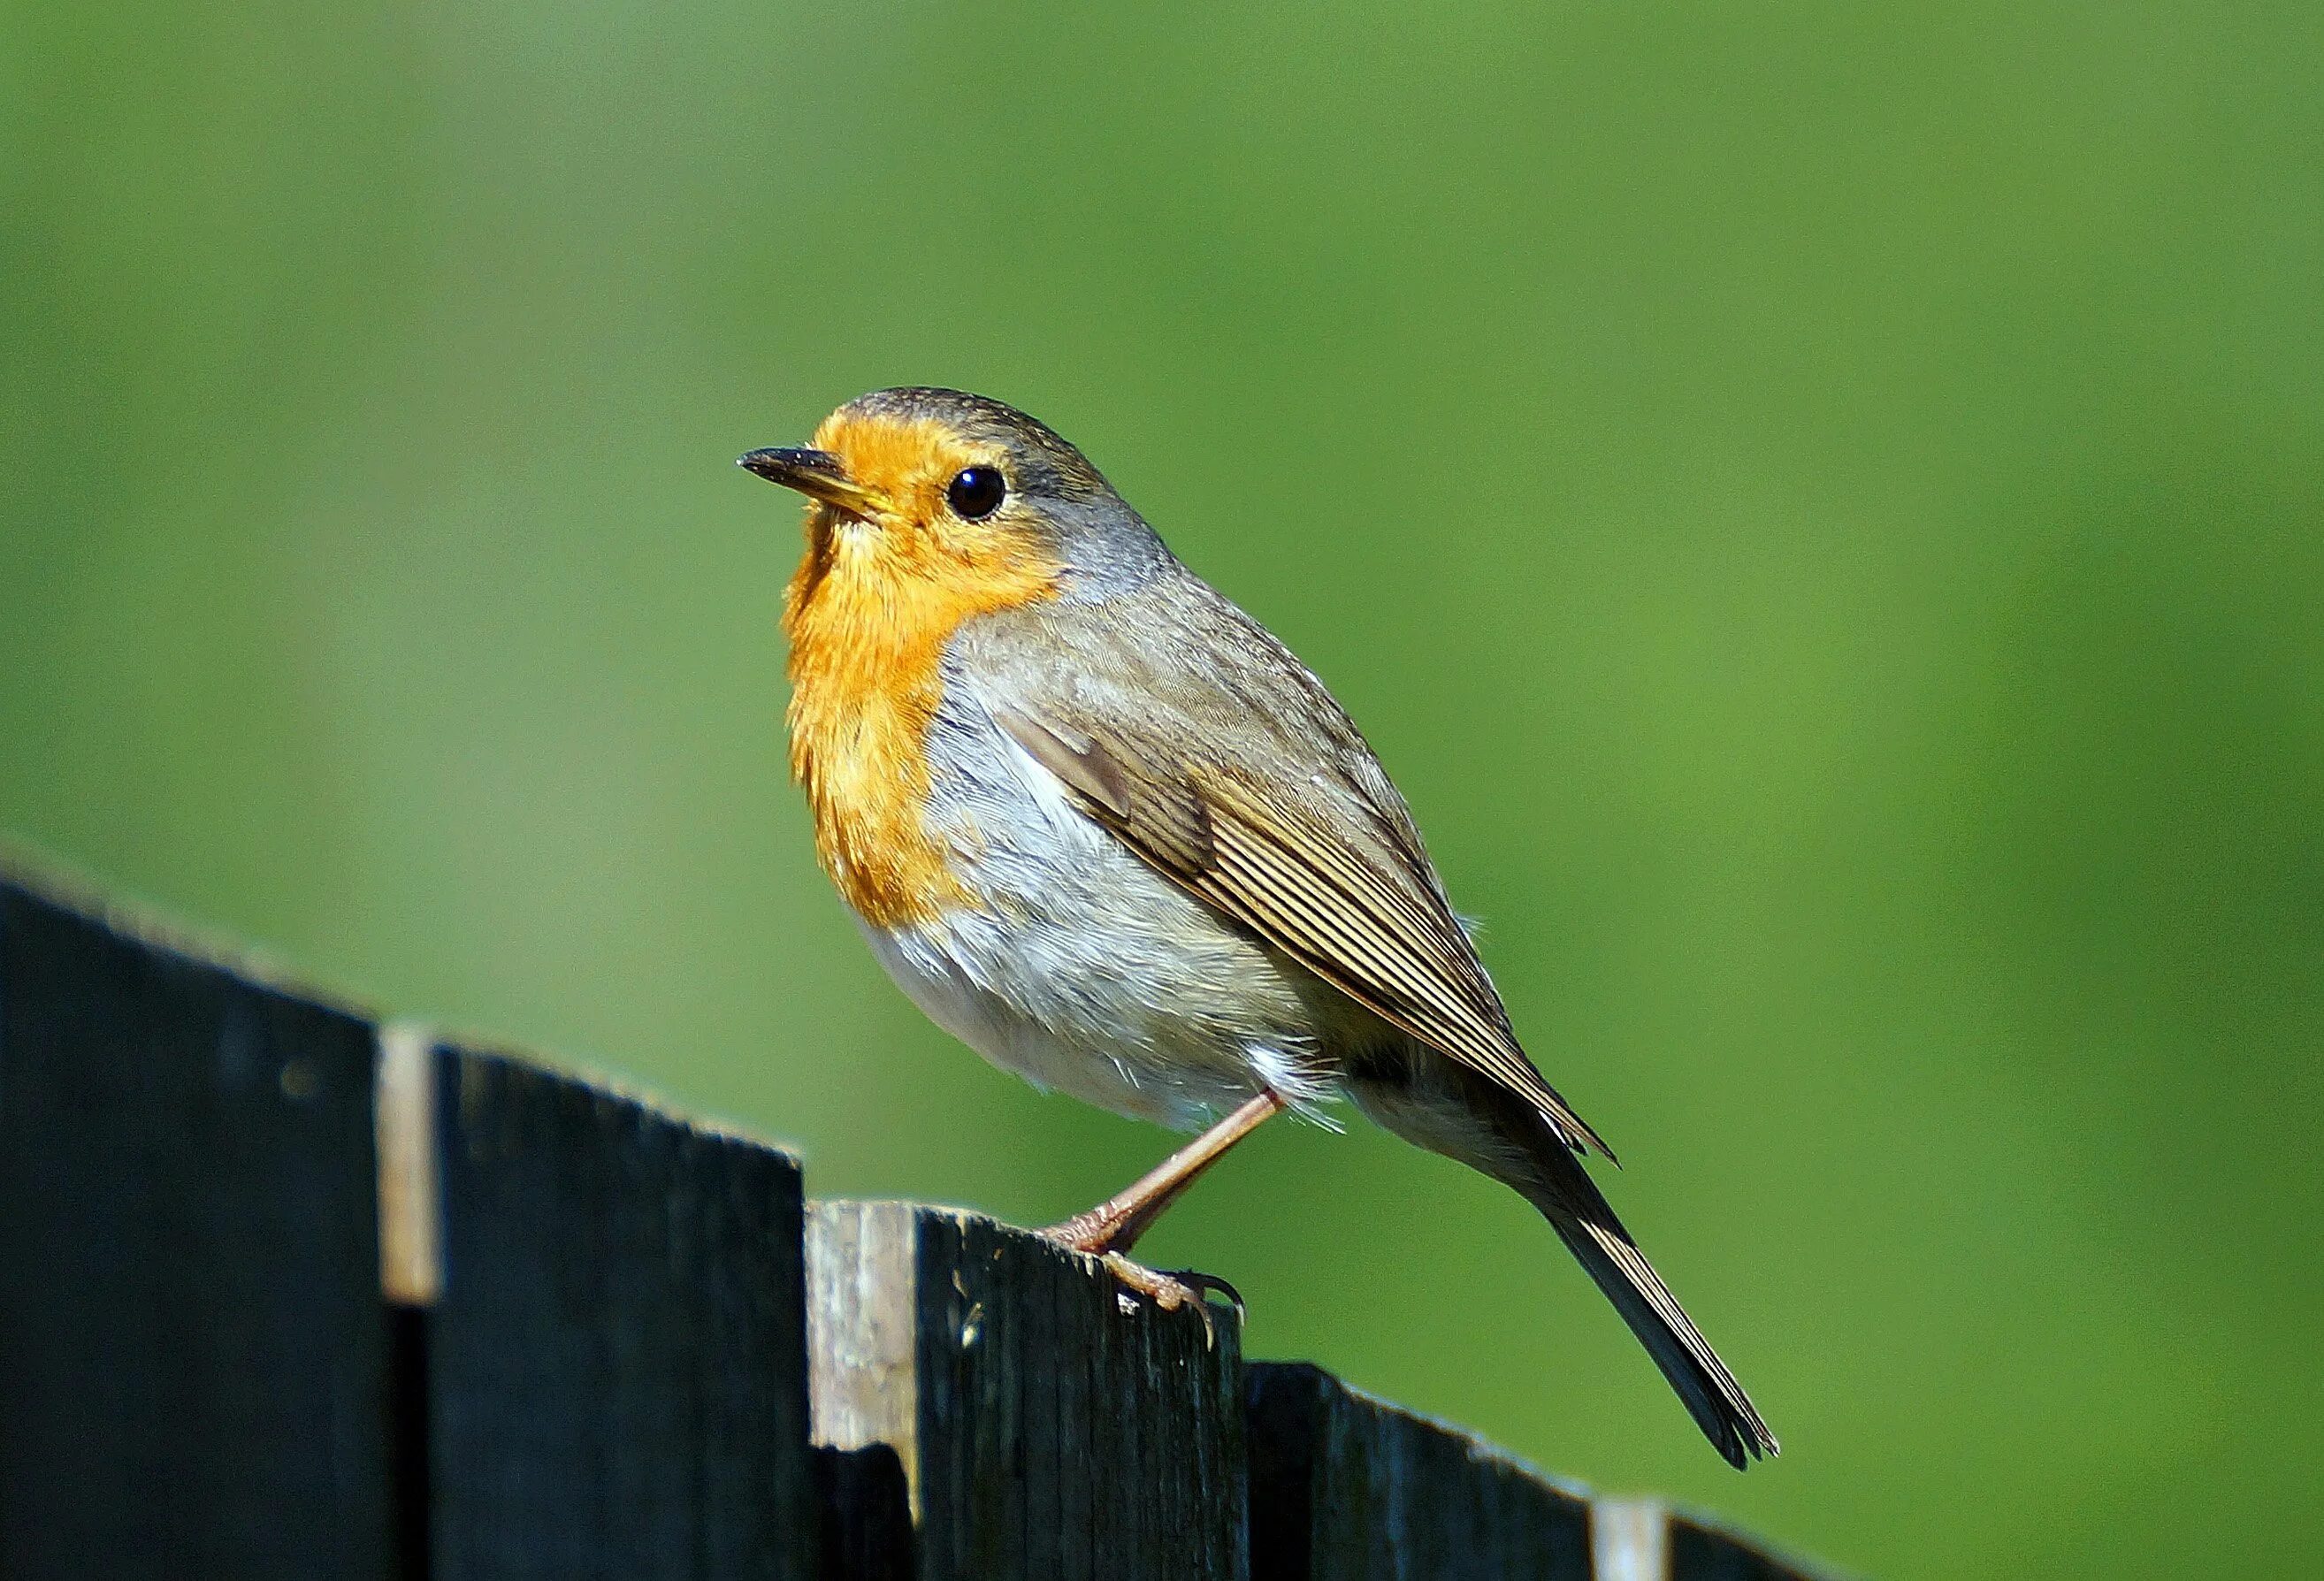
(1348, 1487)
(195, 1372)
(616, 1377)
(1007, 1399)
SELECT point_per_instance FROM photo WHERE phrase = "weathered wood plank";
(1631, 1539)
(1347, 1487)
(1646, 1539)
(195, 1375)
(1005, 1397)
(1703, 1548)
(616, 1363)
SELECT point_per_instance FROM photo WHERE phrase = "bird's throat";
(868, 615)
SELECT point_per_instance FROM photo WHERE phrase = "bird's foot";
(1168, 1292)
(1177, 1288)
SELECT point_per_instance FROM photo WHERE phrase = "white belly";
(1084, 970)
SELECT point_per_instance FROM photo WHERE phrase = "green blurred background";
(1820, 509)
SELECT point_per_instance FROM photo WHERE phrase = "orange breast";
(868, 615)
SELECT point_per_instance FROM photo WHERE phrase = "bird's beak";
(819, 475)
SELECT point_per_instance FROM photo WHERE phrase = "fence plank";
(194, 1360)
(1631, 1539)
(1002, 1396)
(1703, 1549)
(617, 1363)
(1646, 1539)
(1348, 1487)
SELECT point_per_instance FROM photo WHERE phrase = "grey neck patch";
(1108, 550)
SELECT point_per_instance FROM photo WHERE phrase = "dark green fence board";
(194, 1360)
(1039, 1424)
(1347, 1487)
(617, 1363)
(1703, 1549)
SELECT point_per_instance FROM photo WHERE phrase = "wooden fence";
(286, 1294)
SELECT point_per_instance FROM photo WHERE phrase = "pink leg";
(1115, 1225)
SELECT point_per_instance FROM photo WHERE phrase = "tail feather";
(1430, 1101)
(1712, 1395)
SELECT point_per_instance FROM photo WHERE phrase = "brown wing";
(1361, 913)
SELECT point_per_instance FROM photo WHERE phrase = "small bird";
(1103, 828)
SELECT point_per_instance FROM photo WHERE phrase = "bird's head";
(934, 494)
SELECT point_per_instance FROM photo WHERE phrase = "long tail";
(1712, 1396)
(1430, 1101)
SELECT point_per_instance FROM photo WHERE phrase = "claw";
(1170, 1291)
(1209, 1284)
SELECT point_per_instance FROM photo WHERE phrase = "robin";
(1099, 825)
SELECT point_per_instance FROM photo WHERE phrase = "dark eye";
(977, 492)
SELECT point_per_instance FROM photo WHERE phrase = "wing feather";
(1365, 916)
